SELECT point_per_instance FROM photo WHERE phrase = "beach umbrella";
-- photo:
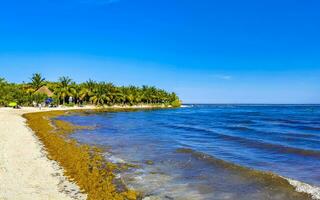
(12, 104)
(49, 100)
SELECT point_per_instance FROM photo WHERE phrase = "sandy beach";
(25, 171)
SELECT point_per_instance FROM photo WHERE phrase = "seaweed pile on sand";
(82, 164)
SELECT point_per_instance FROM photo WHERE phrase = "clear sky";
(207, 51)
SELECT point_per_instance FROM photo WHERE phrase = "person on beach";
(70, 99)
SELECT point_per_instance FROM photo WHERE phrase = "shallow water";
(199, 152)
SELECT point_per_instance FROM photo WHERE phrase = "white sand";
(25, 171)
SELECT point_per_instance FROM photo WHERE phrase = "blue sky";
(207, 51)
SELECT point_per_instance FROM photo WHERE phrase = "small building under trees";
(44, 90)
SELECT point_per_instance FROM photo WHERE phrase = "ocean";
(243, 152)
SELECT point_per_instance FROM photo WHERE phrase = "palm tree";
(110, 90)
(65, 81)
(65, 88)
(90, 84)
(86, 90)
(84, 93)
(118, 96)
(99, 95)
(2, 81)
(37, 81)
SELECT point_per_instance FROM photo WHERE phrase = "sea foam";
(186, 106)
(314, 191)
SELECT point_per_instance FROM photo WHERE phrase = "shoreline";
(27, 168)
(41, 176)
(25, 171)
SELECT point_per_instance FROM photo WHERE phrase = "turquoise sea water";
(212, 151)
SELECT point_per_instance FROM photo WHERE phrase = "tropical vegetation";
(68, 92)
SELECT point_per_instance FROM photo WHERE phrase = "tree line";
(89, 92)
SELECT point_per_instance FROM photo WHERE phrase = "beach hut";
(44, 90)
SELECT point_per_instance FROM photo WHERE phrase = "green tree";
(37, 81)
(99, 95)
(86, 90)
(65, 89)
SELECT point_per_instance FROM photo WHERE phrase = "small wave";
(301, 127)
(311, 128)
(306, 188)
(286, 121)
(239, 121)
(186, 106)
(248, 113)
(303, 190)
(239, 128)
(113, 158)
(253, 143)
(301, 135)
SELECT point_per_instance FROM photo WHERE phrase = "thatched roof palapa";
(44, 90)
